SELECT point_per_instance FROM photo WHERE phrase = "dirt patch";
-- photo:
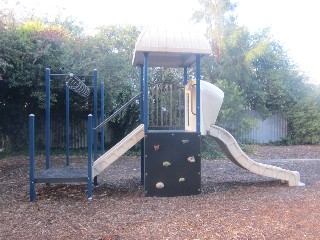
(234, 204)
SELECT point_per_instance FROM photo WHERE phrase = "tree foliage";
(304, 119)
(266, 77)
(28, 48)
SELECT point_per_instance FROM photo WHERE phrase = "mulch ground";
(234, 203)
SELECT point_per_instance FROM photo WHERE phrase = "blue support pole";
(89, 193)
(67, 125)
(185, 75)
(141, 122)
(95, 118)
(95, 112)
(145, 93)
(102, 117)
(47, 118)
(198, 93)
(31, 157)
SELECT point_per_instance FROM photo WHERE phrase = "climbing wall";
(172, 164)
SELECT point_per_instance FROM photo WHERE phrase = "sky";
(294, 23)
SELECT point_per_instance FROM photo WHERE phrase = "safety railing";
(116, 113)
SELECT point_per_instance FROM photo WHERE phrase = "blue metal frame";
(141, 121)
(198, 93)
(95, 119)
(48, 137)
(102, 116)
(145, 93)
(31, 158)
(89, 139)
(67, 125)
(95, 113)
(185, 75)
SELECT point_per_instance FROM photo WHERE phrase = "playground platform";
(62, 175)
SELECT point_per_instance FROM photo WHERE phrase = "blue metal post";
(145, 94)
(48, 118)
(95, 118)
(95, 113)
(31, 157)
(185, 75)
(198, 92)
(89, 193)
(102, 117)
(141, 121)
(67, 124)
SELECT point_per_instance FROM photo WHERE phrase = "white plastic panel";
(211, 98)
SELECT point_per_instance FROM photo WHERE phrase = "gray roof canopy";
(170, 47)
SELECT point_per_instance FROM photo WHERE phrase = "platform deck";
(63, 175)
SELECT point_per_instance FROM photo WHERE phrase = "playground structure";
(67, 174)
(170, 159)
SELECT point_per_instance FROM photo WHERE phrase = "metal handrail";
(116, 113)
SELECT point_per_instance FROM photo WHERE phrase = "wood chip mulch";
(234, 203)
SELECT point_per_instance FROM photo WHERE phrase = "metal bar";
(141, 121)
(161, 104)
(185, 75)
(89, 193)
(67, 125)
(31, 158)
(157, 105)
(48, 118)
(145, 94)
(141, 96)
(95, 113)
(95, 119)
(171, 100)
(60, 74)
(198, 92)
(102, 117)
(116, 113)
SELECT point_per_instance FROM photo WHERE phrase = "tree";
(255, 62)
(304, 119)
(25, 50)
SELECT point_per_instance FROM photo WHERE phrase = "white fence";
(271, 129)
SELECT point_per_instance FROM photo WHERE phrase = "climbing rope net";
(77, 85)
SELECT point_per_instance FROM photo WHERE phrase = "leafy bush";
(304, 119)
(232, 115)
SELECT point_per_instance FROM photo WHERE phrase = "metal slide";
(118, 150)
(232, 150)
